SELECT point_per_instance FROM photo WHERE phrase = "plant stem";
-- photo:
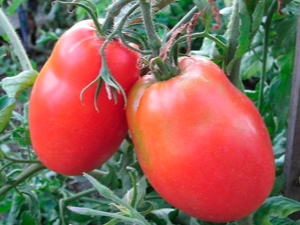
(91, 10)
(267, 26)
(197, 35)
(184, 20)
(28, 172)
(20, 160)
(113, 10)
(154, 40)
(15, 42)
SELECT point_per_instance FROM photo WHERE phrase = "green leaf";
(12, 8)
(257, 16)
(286, 35)
(17, 203)
(14, 85)
(277, 206)
(243, 40)
(6, 108)
(92, 212)
(250, 5)
(28, 219)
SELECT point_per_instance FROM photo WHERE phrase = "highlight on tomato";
(201, 143)
(68, 134)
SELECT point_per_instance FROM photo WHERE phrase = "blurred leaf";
(277, 206)
(284, 221)
(6, 108)
(12, 8)
(14, 85)
(250, 5)
(252, 64)
(257, 15)
(28, 219)
(286, 30)
(17, 204)
(280, 88)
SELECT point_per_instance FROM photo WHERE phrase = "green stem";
(112, 11)
(197, 35)
(134, 188)
(28, 172)
(65, 201)
(184, 20)
(91, 11)
(15, 42)
(154, 40)
(245, 221)
(20, 160)
(267, 26)
(104, 73)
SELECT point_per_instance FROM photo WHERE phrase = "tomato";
(201, 143)
(68, 135)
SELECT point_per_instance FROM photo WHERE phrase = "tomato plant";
(215, 161)
(68, 134)
(201, 143)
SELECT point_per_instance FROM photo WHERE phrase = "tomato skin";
(70, 136)
(201, 143)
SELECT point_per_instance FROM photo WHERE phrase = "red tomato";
(68, 135)
(201, 143)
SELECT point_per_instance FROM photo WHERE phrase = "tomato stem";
(28, 172)
(184, 20)
(154, 40)
(15, 42)
(112, 11)
(91, 10)
(111, 84)
(266, 26)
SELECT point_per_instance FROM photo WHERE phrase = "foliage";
(260, 62)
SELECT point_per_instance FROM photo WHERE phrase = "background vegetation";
(44, 196)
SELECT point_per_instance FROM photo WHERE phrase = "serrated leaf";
(6, 108)
(14, 85)
(92, 212)
(243, 40)
(257, 16)
(277, 206)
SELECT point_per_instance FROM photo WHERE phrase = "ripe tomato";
(68, 135)
(201, 143)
